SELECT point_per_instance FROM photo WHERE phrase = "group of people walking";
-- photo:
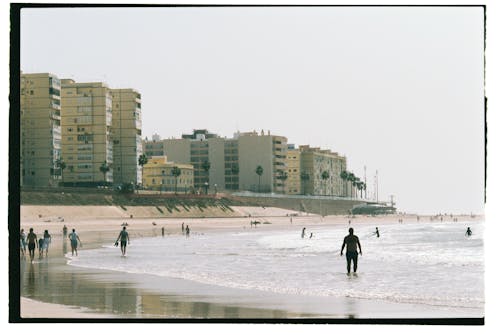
(30, 242)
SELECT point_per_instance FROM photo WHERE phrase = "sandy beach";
(51, 288)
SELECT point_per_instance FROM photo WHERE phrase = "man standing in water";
(352, 242)
(468, 232)
(123, 237)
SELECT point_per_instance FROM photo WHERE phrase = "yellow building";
(40, 142)
(86, 124)
(158, 174)
(321, 169)
(293, 183)
(126, 132)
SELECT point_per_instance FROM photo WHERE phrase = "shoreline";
(95, 233)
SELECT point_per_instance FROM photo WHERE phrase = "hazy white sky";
(396, 89)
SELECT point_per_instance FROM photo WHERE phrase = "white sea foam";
(426, 263)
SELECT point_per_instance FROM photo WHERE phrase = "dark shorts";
(31, 246)
(351, 255)
(123, 243)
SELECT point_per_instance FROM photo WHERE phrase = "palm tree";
(351, 177)
(206, 166)
(259, 171)
(356, 185)
(324, 176)
(104, 168)
(304, 176)
(283, 176)
(176, 172)
(143, 160)
(364, 188)
(359, 185)
(343, 175)
(61, 165)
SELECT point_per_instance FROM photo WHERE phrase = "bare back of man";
(351, 241)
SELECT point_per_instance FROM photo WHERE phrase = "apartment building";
(126, 134)
(232, 163)
(293, 183)
(40, 117)
(203, 150)
(153, 147)
(86, 122)
(159, 174)
(321, 170)
(266, 151)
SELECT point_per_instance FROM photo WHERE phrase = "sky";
(398, 90)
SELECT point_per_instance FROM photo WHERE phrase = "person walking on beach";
(123, 237)
(187, 231)
(352, 243)
(46, 241)
(65, 231)
(40, 247)
(376, 232)
(303, 232)
(162, 231)
(468, 232)
(32, 243)
(22, 240)
(182, 228)
(74, 238)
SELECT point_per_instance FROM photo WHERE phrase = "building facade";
(294, 181)
(40, 130)
(266, 151)
(153, 147)
(126, 133)
(159, 174)
(232, 163)
(86, 122)
(320, 171)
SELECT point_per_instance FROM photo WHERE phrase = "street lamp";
(206, 187)
(215, 189)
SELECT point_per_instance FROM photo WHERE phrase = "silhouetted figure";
(377, 232)
(187, 231)
(352, 243)
(303, 232)
(468, 232)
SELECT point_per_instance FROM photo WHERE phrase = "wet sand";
(74, 292)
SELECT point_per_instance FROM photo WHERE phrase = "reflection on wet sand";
(52, 281)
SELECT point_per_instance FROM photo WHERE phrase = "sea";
(428, 264)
